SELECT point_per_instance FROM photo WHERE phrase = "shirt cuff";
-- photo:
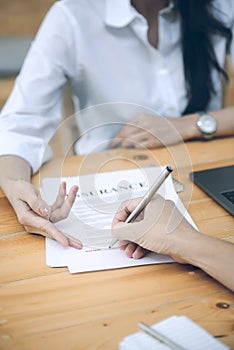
(30, 148)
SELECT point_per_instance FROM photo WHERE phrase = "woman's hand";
(152, 131)
(39, 217)
(132, 249)
(161, 229)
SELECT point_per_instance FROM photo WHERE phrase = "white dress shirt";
(101, 47)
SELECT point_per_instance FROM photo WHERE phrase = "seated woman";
(162, 56)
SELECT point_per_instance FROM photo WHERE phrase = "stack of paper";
(180, 329)
(99, 197)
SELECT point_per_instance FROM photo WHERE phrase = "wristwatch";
(207, 125)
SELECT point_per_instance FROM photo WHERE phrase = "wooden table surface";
(49, 308)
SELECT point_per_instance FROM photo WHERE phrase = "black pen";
(147, 198)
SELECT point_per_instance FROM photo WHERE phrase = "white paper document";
(180, 329)
(99, 197)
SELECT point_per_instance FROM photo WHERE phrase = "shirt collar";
(121, 13)
(169, 11)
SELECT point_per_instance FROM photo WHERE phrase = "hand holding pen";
(135, 208)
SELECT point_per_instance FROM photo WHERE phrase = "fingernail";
(75, 190)
(135, 255)
(76, 245)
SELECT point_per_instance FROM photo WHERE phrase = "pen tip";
(169, 168)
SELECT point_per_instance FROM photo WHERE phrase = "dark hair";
(198, 24)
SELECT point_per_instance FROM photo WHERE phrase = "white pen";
(159, 336)
(147, 198)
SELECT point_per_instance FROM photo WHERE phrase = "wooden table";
(48, 308)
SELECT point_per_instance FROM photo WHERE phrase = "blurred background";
(20, 20)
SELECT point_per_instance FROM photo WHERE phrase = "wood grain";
(47, 308)
(56, 309)
(8, 218)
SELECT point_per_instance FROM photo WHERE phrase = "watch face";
(207, 124)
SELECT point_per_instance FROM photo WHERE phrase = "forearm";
(13, 168)
(187, 125)
(212, 255)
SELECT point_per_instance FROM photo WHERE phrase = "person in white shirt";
(143, 64)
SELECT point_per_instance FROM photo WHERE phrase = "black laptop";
(218, 183)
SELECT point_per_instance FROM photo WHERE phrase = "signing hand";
(162, 228)
(132, 249)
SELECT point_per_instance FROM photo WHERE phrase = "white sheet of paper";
(100, 195)
(180, 329)
(93, 260)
